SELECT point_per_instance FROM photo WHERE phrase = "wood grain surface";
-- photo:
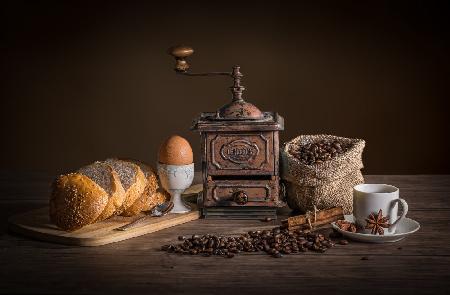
(419, 264)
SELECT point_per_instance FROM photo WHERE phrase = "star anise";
(346, 226)
(376, 223)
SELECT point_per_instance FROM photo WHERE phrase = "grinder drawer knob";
(240, 197)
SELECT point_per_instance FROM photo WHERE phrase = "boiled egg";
(175, 150)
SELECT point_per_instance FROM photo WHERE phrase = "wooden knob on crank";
(181, 52)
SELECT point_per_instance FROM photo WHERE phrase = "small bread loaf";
(103, 175)
(101, 190)
(146, 201)
(76, 201)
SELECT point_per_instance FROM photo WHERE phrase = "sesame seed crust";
(76, 201)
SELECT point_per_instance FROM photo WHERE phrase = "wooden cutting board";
(36, 224)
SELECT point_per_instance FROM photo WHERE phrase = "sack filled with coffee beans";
(321, 171)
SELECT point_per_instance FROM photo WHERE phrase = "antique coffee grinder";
(240, 153)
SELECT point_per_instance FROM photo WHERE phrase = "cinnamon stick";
(322, 217)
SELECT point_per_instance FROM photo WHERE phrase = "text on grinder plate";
(239, 151)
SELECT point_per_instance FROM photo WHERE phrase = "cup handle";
(393, 226)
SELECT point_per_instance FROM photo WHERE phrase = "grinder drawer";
(233, 153)
(241, 193)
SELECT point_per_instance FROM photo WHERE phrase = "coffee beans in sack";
(321, 170)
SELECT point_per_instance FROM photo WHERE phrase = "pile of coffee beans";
(276, 242)
(318, 152)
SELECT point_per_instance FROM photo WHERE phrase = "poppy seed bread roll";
(101, 190)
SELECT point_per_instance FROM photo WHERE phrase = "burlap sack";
(327, 184)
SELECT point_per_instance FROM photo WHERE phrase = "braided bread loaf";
(101, 190)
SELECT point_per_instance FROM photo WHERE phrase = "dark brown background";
(83, 82)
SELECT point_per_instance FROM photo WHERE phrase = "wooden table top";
(418, 264)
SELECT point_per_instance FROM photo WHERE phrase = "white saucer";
(405, 227)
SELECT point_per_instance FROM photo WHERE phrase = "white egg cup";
(176, 179)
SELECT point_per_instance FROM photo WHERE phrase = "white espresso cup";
(371, 198)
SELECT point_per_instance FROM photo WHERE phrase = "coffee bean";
(277, 255)
(181, 238)
(230, 255)
(210, 243)
(328, 244)
(287, 251)
(302, 241)
(322, 249)
(343, 242)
